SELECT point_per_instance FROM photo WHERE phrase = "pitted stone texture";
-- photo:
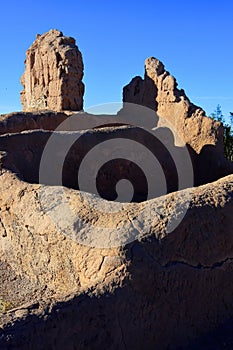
(159, 91)
(162, 291)
(53, 74)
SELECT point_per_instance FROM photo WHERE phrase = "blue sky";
(192, 38)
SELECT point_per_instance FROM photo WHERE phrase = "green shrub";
(228, 131)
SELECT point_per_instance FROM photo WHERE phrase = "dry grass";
(5, 305)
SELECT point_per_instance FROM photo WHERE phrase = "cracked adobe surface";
(185, 274)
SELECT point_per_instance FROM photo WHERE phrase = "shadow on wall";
(105, 165)
(160, 306)
(23, 121)
(150, 162)
(142, 92)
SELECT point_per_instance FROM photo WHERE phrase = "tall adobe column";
(53, 74)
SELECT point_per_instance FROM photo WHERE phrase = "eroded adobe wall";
(53, 74)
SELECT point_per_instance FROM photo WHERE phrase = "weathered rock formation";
(159, 91)
(161, 291)
(53, 74)
(78, 271)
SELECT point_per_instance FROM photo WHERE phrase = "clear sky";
(192, 38)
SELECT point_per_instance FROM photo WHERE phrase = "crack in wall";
(199, 266)
(4, 234)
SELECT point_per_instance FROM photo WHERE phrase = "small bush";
(5, 305)
(228, 131)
